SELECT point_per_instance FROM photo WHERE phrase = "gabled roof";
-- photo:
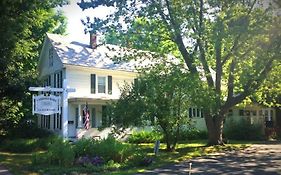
(75, 53)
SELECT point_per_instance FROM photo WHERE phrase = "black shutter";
(109, 79)
(190, 112)
(93, 83)
(60, 80)
(104, 117)
(136, 83)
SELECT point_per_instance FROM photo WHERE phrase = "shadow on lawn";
(256, 160)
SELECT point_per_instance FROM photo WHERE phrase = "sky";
(74, 14)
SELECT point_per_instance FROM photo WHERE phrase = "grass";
(21, 163)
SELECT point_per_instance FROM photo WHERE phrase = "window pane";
(241, 112)
(101, 84)
(93, 83)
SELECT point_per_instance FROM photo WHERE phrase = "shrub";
(243, 130)
(145, 137)
(19, 145)
(111, 149)
(192, 134)
(84, 147)
(26, 145)
(60, 153)
(30, 131)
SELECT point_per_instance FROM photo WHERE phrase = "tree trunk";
(215, 126)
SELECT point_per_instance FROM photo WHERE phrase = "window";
(93, 123)
(230, 112)
(76, 117)
(190, 112)
(109, 83)
(101, 85)
(254, 112)
(51, 57)
(195, 112)
(104, 116)
(241, 112)
(93, 83)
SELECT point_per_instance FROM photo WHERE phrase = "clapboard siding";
(80, 79)
(44, 68)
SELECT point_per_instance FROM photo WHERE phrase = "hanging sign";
(46, 105)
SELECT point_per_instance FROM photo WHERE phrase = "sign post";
(47, 105)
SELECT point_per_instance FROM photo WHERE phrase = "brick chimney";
(93, 40)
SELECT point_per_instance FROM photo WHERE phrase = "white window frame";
(97, 84)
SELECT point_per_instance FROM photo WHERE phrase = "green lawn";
(21, 163)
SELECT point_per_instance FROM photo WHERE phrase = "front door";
(93, 118)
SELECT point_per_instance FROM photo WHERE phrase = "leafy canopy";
(233, 44)
(23, 27)
(151, 101)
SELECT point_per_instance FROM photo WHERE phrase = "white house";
(97, 80)
(91, 72)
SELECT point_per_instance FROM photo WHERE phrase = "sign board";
(46, 105)
(156, 147)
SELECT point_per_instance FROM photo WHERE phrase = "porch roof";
(95, 101)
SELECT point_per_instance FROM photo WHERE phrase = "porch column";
(65, 110)
(80, 117)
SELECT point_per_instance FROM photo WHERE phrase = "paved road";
(259, 159)
(4, 171)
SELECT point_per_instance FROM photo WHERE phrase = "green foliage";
(108, 149)
(111, 149)
(30, 129)
(84, 147)
(23, 27)
(187, 134)
(144, 137)
(160, 97)
(231, 46)
(26, 145)
(60, 153)
(243, 130)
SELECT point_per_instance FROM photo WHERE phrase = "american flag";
(86, 117)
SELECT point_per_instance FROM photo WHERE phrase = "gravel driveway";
(259, 159)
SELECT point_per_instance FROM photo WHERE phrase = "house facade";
(95, 77)
(97, 80)
(254, 114)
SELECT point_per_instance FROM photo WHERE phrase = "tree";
(151, 101)
(232, 44)
(23, 27)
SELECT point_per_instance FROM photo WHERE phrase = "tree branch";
(230, 82)
(250, 86)
(234, 48)
(179, 41)
(202, 51)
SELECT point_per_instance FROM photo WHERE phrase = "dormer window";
(51, 57)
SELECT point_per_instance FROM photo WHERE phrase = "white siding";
(44, 68)
(80, 79)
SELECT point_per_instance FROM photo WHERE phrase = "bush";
(108, 149)
(30, 129)
(19, 145)
(84, 147)
(145, 137)
(192, 134)
(111, 149)
(26, 145)
(243, 130)
(60, 153)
